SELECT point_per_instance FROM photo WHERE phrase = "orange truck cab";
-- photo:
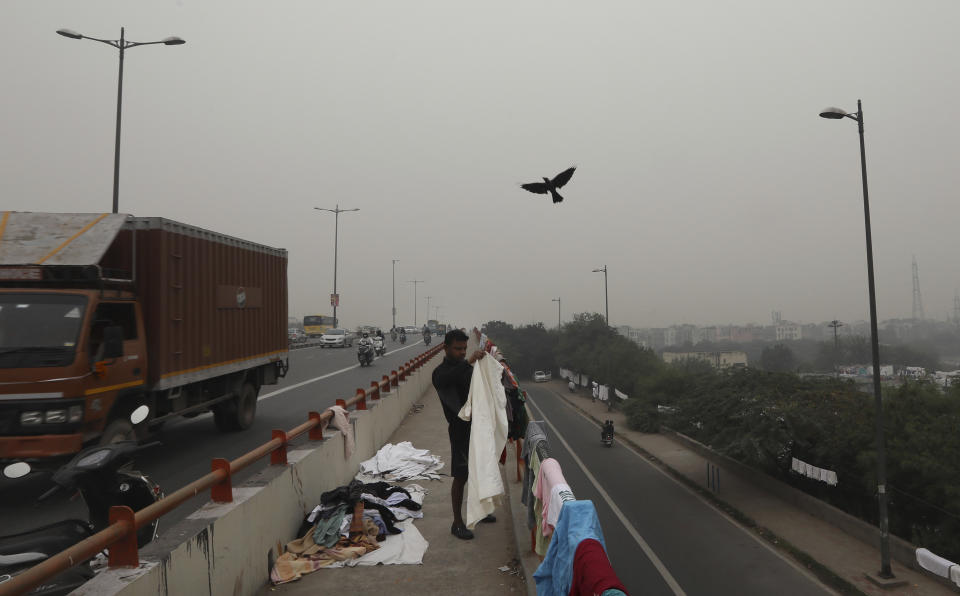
(101, 313)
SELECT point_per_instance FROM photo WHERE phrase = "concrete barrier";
(229, 548)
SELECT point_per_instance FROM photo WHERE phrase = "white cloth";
(604, 393)
(934, 563)
(341, 421)
(620, 394)
(955, 574)
(796, 465)
(559, 494)
(406, 548)
(486, 411)
(400, 462)
(831, 478)
(417, 493)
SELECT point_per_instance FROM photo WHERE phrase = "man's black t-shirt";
(451, 379)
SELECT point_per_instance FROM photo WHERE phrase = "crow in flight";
(551, 186)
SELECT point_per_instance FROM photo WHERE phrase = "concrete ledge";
(229, 548)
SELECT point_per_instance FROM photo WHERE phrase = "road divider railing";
(119, 538)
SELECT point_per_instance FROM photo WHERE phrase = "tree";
(778, 358)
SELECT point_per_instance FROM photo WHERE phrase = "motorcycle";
(104, 477)
(606, 433)
(426, 339)
(365, 354)
(403, 338)
(393, 335)
(378, 348)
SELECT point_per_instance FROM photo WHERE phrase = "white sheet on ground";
(486, 411)
(406, 548)
(400, 462)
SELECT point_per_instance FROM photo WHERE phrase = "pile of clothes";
(401, 462)
(356, 524)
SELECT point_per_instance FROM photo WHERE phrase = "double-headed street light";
(335, 297)
(606, 296)
(885, 570)
(557, 300)
(395, 261)
(121, 44)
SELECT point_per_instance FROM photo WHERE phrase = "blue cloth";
(613, 592)
(578, 521)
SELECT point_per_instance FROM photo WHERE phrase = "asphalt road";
(317, 378)
(661, 538)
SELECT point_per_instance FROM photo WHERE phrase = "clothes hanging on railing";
(550, 476)
(578, 522)
(341, 421)
(592, 572)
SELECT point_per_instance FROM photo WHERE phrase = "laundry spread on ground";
(357, 524)
(401, 462)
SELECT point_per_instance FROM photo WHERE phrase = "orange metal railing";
(120, 537)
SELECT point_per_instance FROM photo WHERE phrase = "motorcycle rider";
(607, 430)
(393, 334)
(403, 335)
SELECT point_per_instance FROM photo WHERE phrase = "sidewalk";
(828, 546)
(450, 565)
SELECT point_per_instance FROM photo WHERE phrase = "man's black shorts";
(459, 448)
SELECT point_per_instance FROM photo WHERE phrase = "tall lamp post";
(557, 300)
(835, 324)
(885, 570)
(335, 298)
(415, 282)
(394, 288)
(606, 296)
(428, 305)
(121, 44)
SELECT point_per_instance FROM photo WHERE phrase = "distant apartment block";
(789, 331)
(719, 360)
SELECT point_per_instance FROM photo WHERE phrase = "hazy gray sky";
(706, 181)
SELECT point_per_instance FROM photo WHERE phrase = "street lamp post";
(885, 570)
(606, 295)
(335, 299)
(415, 282)
(394, 288)
(835, 324)
(428, 305)
(557, 300)
(121, 44)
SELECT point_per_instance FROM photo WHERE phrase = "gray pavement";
(842, 554)
(450, 565)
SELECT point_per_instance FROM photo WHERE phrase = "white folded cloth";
(934, 563)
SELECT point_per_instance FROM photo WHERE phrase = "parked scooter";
(378, 347)
(104, 477)
(365, 353)
(606, 433)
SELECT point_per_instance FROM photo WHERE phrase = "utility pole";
(835, 324)
(557, 300)
(606, 295)
(335, 297)
(428, 306)
(394, 289)
(415, 282)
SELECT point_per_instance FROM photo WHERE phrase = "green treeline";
(763, 419)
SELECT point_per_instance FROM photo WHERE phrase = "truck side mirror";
(113, 342)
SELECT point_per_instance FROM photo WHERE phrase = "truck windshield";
(39, 329)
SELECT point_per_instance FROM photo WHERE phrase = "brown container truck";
(100, 313)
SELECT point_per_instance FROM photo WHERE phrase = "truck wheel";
(237, 413)
(117, 431)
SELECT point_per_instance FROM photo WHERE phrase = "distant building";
(787, 331)
(718, 360)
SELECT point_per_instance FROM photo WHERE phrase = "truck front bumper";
(39, 446)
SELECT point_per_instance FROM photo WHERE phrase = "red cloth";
(592, 573)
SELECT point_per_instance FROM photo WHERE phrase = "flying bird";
(551, 186)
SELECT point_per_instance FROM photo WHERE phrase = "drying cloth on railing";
(486, 411)
(813, 472)
(535, 435)
(400, 462)
(934, 563)
(604, 394)
(620, 394)
(559, 494)
(550, 475)
(955, 574)
(578, 521)
(341, 421)
(592, 572)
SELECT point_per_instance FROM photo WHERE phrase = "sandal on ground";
(489, 519)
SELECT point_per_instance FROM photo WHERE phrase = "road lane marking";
(657, 563)
(712, 506)
(327, 376)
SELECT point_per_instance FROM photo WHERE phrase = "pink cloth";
(548, 476)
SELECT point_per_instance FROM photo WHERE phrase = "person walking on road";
(451, 379)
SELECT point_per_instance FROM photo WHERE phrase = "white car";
(411, 330)
(336, 338)
(542, 377)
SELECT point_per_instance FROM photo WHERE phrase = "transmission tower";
(956, 308)
(917, 300)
